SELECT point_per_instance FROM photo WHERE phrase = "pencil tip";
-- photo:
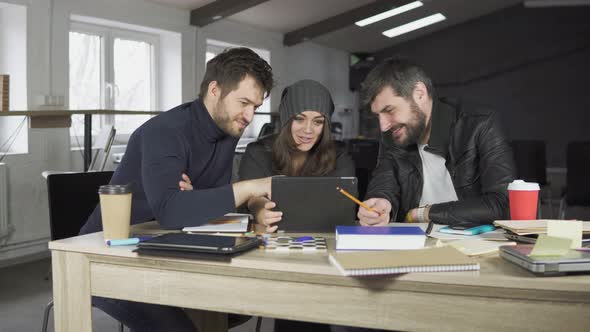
(337, 188)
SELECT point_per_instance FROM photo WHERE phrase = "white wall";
(47, 74)
(290, 64)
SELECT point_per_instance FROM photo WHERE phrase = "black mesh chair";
(72, 198)
(364, 152)
(577, 183)
(530, 157)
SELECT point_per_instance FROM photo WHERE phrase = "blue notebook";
(379, 238)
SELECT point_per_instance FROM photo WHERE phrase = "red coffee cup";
(523, 198)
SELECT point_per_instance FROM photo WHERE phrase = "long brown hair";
(320, 160)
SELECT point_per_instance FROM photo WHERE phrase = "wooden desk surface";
(276, 284)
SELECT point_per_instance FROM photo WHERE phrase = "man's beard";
(222, 119)
(414, 129)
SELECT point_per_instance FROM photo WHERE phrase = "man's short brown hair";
(231, 66)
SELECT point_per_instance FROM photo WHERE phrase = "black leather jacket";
(478, 157)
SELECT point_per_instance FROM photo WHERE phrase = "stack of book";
(379, 238)
(4, 93)
(525, 227)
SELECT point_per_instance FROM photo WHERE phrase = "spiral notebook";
(365, 263)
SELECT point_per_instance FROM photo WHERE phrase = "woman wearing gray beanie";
(303, 147)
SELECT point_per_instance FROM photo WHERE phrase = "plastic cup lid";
(522, 185)
(114, 189)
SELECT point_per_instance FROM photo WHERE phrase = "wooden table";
(304, 286)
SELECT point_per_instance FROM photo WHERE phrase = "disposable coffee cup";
(115, 207)
(523, 197)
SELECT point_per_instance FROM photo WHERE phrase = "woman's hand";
(261, 208)
(185, 184)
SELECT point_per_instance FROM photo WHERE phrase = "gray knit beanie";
(305, 95)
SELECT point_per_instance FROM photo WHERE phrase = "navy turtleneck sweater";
(182, 140)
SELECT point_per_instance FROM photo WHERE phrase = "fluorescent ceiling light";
(414, 25)
(389, 13)
(555, 3)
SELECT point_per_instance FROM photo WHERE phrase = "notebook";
(312, 204)
(365, 263)
(572, 261)
(379, 238)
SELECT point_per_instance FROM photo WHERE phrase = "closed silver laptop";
(573, 261)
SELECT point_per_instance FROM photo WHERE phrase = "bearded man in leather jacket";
(440, 160)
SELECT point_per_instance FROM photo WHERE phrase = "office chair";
(531, 165)
(72, 198)
(577, 189)
(337, 131)
(364, 152)
(267, 129)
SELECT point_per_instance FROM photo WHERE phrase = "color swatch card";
(295, 244)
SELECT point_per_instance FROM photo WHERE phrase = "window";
(13, 62)
(262, 114)
(111, 68)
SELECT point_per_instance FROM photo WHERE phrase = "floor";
(24, 293)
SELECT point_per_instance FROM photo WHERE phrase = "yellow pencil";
(354, 199)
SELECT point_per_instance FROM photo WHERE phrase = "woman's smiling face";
(306, 129)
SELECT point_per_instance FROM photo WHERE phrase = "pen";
(129, 241)
(354, 199)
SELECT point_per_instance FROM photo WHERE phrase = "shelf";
(62, 118)
(70, 112)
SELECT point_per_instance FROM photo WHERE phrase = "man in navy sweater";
(197, 139)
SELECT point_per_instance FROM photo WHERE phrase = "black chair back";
(267, 129)
(364, 152)
(577, 191)
(531, 161)
(72, 198)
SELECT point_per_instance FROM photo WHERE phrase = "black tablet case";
(312, 204)
(196, 246)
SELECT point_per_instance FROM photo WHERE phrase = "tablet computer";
(312, 204)
(199, 243)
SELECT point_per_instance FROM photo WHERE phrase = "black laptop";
(312, 204)
(185, 245)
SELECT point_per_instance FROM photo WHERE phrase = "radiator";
(3, 200)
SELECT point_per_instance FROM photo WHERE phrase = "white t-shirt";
(438, 186)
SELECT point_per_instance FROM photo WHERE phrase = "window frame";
(107, 35)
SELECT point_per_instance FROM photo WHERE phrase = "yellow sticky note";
(567, 229)
(550, 246)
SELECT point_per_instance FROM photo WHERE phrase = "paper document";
(229, 223)
(550, 246)
(568, 229)
(475, 247)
